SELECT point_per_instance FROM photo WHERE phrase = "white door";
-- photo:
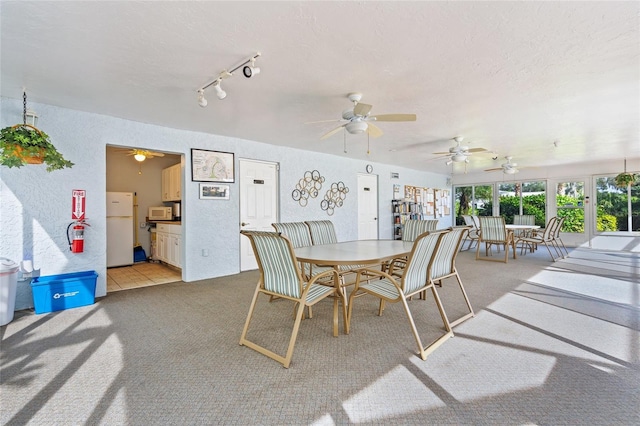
(568, 198)
(258, 204)
(367, 207)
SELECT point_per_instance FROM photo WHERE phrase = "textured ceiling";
(512, 77)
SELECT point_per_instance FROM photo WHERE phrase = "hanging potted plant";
(625, 179)
(25, 144)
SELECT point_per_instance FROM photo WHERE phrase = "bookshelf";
(404, 210)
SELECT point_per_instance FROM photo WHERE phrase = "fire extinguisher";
(76, 238)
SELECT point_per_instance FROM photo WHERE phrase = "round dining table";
(356, 253)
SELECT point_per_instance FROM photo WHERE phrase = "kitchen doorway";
(144, 178)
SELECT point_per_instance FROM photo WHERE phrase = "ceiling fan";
(142, 154)
(508, 168)
(459, 153)
(358, 119)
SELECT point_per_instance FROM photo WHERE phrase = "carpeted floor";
(551, 344)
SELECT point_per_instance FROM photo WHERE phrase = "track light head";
(221, 94)
(201, 99)
(251, 70)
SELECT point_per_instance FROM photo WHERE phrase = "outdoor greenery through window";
(570, 205)
(473, 200)
(617, 207)
(518, 198)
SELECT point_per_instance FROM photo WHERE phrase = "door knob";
(244, 224)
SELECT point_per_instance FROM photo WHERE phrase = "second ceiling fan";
(357, 119)
(459, 153)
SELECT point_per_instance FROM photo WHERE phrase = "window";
(473, 200)
(616, 207)
(570, 205)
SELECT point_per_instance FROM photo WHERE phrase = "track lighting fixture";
(201, 100)
(248, 71)
(221, 94)
(251, 70)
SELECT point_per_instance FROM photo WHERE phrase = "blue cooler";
(58, 292)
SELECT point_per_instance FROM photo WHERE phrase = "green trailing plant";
(25, 144)
(624, 179)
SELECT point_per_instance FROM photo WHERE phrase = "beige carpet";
(551, 344)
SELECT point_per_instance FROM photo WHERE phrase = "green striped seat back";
(277, 262)
(524, 219)
(415, 273)
(444, 259)
(492, 228)
(412, 228)
(296, 232)
(322, 232)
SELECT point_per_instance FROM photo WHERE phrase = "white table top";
(354, 252)
(522, 226)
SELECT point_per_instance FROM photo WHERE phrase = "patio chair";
(545, 237)
(322, 232)
(281, 276)
(473, 233)
(444, 265)
(493, 232)
(415, 280)
(411, 230)
(557, 241)
(298, 234)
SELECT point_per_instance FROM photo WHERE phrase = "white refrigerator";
(119, 228)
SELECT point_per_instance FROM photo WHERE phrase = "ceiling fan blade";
(332, 132)
(438, 158)
(394, 117)
(477, 150)
(441, 153)
(373, 130)
(362, 109)
(493, 170)
(324, 121)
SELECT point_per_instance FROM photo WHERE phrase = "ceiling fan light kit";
(356, 127)
(359, 121)
(247, 70)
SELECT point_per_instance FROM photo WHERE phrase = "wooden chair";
(493, 232)
(280, 276)
(444, 265)
(415, 280)
(543, 236)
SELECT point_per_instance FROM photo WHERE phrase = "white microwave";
(160, 213)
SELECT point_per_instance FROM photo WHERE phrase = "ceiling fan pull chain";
(344, 133)
(368, 150)
(24, 107)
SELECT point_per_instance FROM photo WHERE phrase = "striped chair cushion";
(415, 274)
(413, 228)
(297, 232)
(322, 232)
(492, 228)
(443, 261)
(277, 265)
(524, 219)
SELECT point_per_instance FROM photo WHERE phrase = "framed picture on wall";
(212, 166)
(214, 192)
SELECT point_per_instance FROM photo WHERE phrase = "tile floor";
(141, 275)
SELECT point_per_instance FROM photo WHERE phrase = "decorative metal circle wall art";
(309, 186)
(334, 197)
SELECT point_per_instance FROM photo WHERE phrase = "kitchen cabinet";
(172, 183)
(169, 244)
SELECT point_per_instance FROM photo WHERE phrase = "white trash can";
(8, 285)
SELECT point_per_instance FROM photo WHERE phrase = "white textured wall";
(36, 205)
